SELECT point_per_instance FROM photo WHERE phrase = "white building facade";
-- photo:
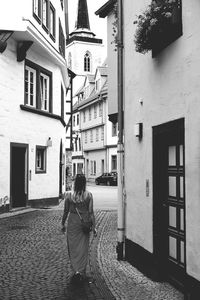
(161, 144)
(98, 134)
(33, 83)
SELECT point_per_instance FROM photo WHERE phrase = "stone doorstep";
(16, 211)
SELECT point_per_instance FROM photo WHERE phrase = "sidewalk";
(35, 266)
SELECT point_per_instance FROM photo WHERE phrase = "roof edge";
(104, 10)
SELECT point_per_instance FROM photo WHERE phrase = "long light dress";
(77, 240)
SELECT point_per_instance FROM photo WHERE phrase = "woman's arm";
(91, 212)
(65, 212)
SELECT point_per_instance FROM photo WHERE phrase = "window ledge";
(43, 113)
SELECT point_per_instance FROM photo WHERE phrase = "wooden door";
(169, 200)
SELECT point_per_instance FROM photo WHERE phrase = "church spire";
(83, 17)
(82, 26)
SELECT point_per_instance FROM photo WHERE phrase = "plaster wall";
(168, 86)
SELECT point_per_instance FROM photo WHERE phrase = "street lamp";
(4, 36)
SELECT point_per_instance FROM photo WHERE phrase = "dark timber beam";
(22, 48)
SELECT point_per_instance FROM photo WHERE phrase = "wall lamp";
(4, 36)
(138, 130)
(49, 142)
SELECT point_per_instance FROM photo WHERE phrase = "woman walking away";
(78, 206)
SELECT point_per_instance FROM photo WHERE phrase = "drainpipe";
(66, 18)
(120, 147)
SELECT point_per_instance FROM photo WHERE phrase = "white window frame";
(37, 8)
(91, 136)
(45, 13)
(95, 111)
(102, 133)
(97, 134)
(30, 87)
(44, 91)
(100, 109)
(90, 113)
(52, 21)
(41, 158)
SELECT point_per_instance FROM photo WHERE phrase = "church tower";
(84, 52)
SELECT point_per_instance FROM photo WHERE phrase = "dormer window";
(87, 62)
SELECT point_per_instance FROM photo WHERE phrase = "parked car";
(107, 178)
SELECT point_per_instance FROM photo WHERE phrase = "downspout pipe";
(120, 146)
(66, 19)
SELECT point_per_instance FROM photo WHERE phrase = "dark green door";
(169, 200)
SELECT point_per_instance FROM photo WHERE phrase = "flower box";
(158, 26)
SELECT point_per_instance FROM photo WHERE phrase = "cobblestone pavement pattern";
(34, 263)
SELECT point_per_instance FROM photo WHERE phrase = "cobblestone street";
(35, 265)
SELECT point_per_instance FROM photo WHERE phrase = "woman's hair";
(79, 184)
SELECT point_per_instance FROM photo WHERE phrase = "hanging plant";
(153, 23)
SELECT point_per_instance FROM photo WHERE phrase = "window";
(91, 136)
(45, 13)
(52, 22)
(87, 62)
(85, 137)
(114, 162)
(93, 167)
(44, 92)
(95, 111)
(79, 142)
(61, 40)
(102, 133)
(74, 120)
(114, 129)
(30, 86)
(97, 134)
(84, 116)
(38, 87)
(40, 159)
(77, 119)
(62, 102)
(70, 60)
(100, 109)
(76, 144)
(37, 9)
(90, 114)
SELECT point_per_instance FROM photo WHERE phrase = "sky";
(97, 25)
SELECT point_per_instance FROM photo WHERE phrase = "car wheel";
(108, 182)
(96, 181)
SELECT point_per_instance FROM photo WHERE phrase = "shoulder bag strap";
(78, 214)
